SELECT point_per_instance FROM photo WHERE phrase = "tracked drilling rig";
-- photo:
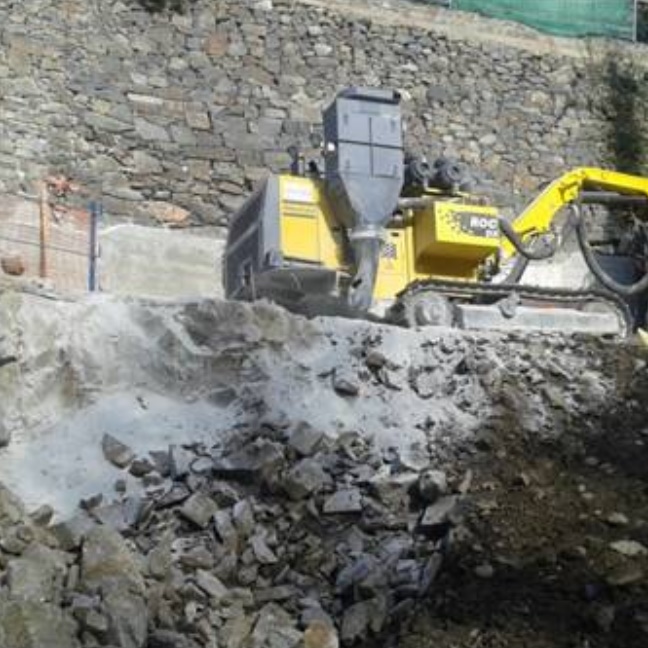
(378, 227)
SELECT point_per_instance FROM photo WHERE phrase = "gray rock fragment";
(275, 629)
(42, 516)
(305, 478)
(243, 518)
(31, 624)
(141, 467)
(180, 460)
(11, 509)
(629, 548)
(211, 585)
(439, 513)
(262, 552)
(199, 509)
(70, 533)
(257, 459)
(108, 564)
(355, 623)
(38, 575)
(305, 439)
(344, 384)
(127, 619)
(432, 484)
(118, 453)
(347, 500)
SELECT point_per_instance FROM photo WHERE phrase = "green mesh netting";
(615, 18)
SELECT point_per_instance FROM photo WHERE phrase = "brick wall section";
(192, 109)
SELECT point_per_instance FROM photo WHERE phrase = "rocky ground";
(235, 476)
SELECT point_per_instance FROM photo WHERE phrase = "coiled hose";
(623, 290)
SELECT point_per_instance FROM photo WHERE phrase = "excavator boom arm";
(539, 214)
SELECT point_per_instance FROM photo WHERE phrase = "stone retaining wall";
(147, 110)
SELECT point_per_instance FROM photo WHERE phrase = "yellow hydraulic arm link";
(539, 214)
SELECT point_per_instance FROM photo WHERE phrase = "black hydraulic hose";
(515, 275)
(546, 252)
(623, 290)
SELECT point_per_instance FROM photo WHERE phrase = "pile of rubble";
(281, 536)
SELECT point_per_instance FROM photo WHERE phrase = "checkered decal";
(389, 251)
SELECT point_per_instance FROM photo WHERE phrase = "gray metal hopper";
(364, 164)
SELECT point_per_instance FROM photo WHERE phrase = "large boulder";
(31, 624)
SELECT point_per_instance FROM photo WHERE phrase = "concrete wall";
(152, 262)
(151, 112)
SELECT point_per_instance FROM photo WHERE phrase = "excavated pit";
(413, 488)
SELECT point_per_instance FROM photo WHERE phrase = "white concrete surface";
(156, 262)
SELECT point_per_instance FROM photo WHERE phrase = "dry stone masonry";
(156, 113)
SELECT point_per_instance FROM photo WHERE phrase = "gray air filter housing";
(364, 164)
(364, 158)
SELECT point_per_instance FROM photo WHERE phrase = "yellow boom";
(539, 214)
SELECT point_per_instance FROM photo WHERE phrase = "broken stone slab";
(108, 564)
(236, 631)
(118, 453)
(305, 478)
(225, 529)
(180, 460)
(629, 548)
(345, 384)
(243, 518)
(624, 575)
(211, 585)
(176, 494)
(96, 623)
(31, 624)
(160, 558)
(305, 439)
(127, 619)
(162, 462)
(393, 490)
(346, 500)
(199, 509)
(355, 572)
(42, 516)
(202, 465)
(277, 593)
(38, 575)
(274, 629)
(355, 623)
(71, 533)
(439, 514)
(141, 467)
(262, 552)
(11, 509)
(255, 460)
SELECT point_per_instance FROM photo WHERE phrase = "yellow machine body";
(447, 239)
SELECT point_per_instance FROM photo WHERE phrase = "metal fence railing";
(57, 247)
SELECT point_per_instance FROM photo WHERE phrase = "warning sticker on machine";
(298, 193)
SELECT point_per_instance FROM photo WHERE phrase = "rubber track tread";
(492, 291)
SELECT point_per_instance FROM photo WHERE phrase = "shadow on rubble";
(531, 564)
(158, 6)
(532, 607)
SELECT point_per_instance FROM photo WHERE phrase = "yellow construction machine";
(378, 227)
